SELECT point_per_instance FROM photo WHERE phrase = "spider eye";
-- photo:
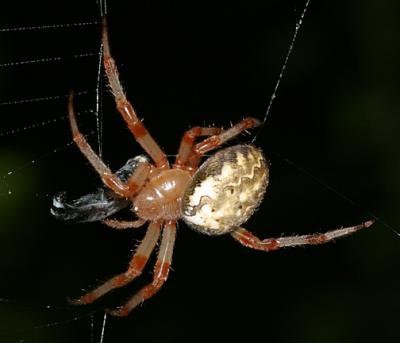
(226, 190)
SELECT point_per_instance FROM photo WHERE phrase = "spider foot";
(118, 312)
(125, 309)
(84, 300)
(368, 223)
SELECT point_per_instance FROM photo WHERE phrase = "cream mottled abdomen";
(226, 190)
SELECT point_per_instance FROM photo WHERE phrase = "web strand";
(98, 111)
(341, 195)
(42, 99)
(299, 24)
(103, 328)
(47, 60)
(48, 27)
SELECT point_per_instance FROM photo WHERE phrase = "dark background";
(200, 63)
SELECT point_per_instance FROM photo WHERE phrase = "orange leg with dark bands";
(126, 190)
(135, 268)
(251, 241)
(188, 139)
(161, 271)
(135, 125)
(122, 225)
(215, 141)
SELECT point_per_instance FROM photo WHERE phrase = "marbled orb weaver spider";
(215, 198)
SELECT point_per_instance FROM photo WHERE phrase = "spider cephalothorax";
(215, 198)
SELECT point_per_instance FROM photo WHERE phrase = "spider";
(214, 198)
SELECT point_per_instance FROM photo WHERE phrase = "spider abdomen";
(161, 198)
(226, 190)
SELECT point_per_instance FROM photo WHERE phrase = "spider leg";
(135, 268)
(161, 271)
(121, 225)
(215, 141)
(185, 148)
(251, 241)
(135, 125)
(125, 190)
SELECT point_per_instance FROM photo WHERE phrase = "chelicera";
(214, 198)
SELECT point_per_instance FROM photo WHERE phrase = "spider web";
(186, 65)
